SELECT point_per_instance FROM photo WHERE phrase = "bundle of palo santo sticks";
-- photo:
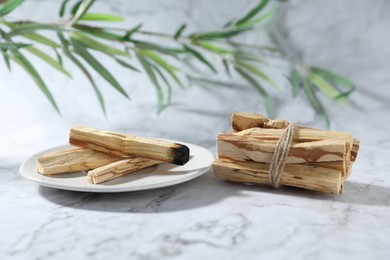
(315, 159)
(108, 155)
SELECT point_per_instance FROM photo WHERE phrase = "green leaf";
(59, 58)
(259, 73)
(164, 79)
(164, 64)
(34, 36)
(219, 34)
(126, 65)
(214, 48)
(89, 77)
(6, 60)
(32, 27)
(296, 82)
(178, 51)
(213, 82)
(81, 50)
(49, 60)
(323, 85)
(248, 57)
(101, 17)
(337, 79)
(9, 6)
(93, 44)
(265, 17)
(251, 47)
(176, 79)
(314, 101)
(63, 7)
(64, 42)
(75, 7)
(129, 33)
(229, 23)
(41, 39)
(259, 88)
(253, 12)
(179, 31)
(84, 71)
(11, 45)
(158, 59)
(81, 10)
(200, 57)
(226, 66)
(156, 47)
(149, 71)
(29, 68)
(99, 32)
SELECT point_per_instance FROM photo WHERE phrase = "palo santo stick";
(129, 145)
(297, 175)
(246, 148)
(243, 121)
(306, 135)
(355, 149)
(117, 169)
(246, 120)
(72, 160)
(300, 134)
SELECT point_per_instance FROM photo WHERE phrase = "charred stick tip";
(180, 154)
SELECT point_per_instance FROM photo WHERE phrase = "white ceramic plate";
(158, 176)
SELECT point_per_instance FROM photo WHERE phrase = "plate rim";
(200, 171)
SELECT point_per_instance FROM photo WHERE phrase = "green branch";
(78, 41)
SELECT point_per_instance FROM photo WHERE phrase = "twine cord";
(279, 157)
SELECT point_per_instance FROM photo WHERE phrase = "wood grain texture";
(317, 178)
(247, 148)
(242, 121)
(355, 149)
(317, 159)
(128, 145)
(302, 135)
(246, 120)
(119, 168)
(72, 160)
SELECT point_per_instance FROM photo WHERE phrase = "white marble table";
(206, 217)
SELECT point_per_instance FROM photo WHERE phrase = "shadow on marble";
(354, 193)
(203, 191)
(200, 192)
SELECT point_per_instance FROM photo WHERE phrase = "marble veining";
(206, 217)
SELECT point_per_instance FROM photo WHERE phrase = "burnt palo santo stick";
(128, 145)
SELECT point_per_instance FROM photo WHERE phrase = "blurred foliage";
(77, 40)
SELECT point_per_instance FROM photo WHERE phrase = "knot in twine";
(279, 157)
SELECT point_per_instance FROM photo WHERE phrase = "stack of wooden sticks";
(317, 160)
(108, 155)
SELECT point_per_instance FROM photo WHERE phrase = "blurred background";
(350, 37)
